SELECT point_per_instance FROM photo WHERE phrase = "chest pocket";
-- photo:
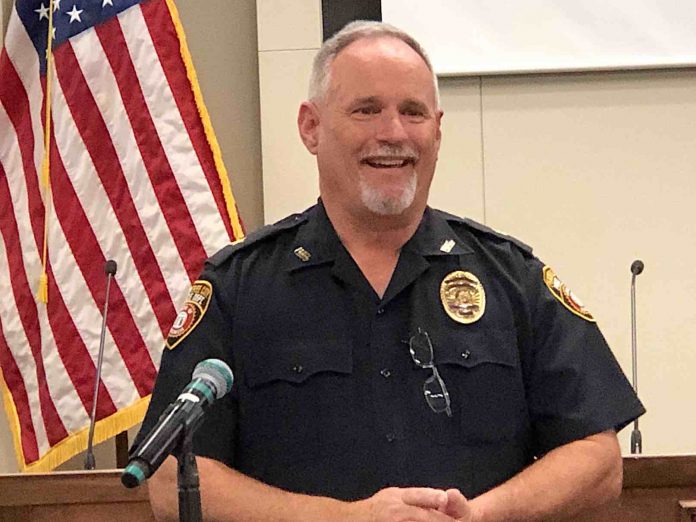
(482, 372)
(293, 394)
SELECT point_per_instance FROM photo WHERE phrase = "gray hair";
(321, 68)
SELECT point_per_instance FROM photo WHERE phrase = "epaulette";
(255, 237)
(488, 231)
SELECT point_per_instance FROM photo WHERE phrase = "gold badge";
(561, 292)
(191, 313)
(463, 297)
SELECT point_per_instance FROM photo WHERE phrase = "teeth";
(388, 163)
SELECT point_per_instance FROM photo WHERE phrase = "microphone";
(110, 270)
(637, 267)
(212, 380)
(636, 437)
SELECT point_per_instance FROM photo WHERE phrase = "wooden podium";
(656, 489)
(74, 496)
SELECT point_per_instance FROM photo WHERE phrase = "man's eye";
(415, 113)
(366, 110)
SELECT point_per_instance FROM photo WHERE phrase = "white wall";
(593, 170)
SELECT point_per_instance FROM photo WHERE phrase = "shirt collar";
(317, 243)
(435, 237)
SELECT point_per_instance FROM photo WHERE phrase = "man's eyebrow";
(414, 104)
(365, 100)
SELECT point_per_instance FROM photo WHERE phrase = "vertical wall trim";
(483, 151)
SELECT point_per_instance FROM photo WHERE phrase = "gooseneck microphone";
(212, 379)
(110, 270)
(636, 437)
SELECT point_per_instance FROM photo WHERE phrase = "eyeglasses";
(434, 388)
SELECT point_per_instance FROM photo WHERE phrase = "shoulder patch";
(191, 313)
(255, 237)
(491, 232)
(565, 295)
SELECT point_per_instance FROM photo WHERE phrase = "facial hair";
(382, 203)
(386, 205)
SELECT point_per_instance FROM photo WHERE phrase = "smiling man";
(392, 362)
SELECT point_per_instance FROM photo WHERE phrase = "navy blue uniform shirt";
(327, 399)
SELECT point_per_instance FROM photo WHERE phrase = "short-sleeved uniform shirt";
(327, 399)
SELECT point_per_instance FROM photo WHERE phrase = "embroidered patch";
(463, 297)
(191, 313)
(561, 292)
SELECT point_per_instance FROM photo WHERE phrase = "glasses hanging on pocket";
(434, 389)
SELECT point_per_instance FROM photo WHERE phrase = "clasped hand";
(416, 505)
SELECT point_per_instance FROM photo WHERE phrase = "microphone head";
(637, 267)
(217, 373)
(110, 267)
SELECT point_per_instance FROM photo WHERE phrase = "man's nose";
(391, 128)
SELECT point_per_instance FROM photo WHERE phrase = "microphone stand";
(187, 478)
(110, 269)
(636, 436)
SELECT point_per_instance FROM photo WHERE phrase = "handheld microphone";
(110, 271)
(212, 379)
(636, 437)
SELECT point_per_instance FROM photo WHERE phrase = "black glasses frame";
(436, 395)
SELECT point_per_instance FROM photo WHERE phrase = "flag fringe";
(207, 124)
(76, 443)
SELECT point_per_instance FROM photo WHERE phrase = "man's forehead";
(382, 61)
(372, 49)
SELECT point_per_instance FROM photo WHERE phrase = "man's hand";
(458, 507)
(405, 505)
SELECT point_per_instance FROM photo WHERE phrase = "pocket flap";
(296, 361)
(469, 349)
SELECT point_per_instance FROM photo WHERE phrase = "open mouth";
(388, 163)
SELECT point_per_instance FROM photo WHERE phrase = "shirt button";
(298, 368)
(380, 311)
(390, 437)
(466, 354)
(385, 373)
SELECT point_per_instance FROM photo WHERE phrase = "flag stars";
(107, 2)
(75, 14)
(43, 11)
(56, 5)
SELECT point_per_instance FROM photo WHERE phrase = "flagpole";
(42, 293)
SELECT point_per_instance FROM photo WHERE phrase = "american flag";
(135, 176)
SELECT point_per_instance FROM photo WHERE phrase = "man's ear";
(308, 125)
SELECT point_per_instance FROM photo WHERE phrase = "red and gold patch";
(191, 313)
(564, 294)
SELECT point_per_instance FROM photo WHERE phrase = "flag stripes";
(135, 176)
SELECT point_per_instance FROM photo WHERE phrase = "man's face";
(376, 133)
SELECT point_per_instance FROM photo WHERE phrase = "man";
(392, 362)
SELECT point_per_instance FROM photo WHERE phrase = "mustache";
(388, 151)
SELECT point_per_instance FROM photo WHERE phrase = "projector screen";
(466, 37)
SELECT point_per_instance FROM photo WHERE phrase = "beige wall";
(228, 73)
(594, 170)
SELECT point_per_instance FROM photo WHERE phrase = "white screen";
(497, 36)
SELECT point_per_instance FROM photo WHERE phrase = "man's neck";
(371, 231)
(374, 241)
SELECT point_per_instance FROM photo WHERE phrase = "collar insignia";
(447, 246)
(302, 254)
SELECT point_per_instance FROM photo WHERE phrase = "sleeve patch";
(564, 294)
(191, 312)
